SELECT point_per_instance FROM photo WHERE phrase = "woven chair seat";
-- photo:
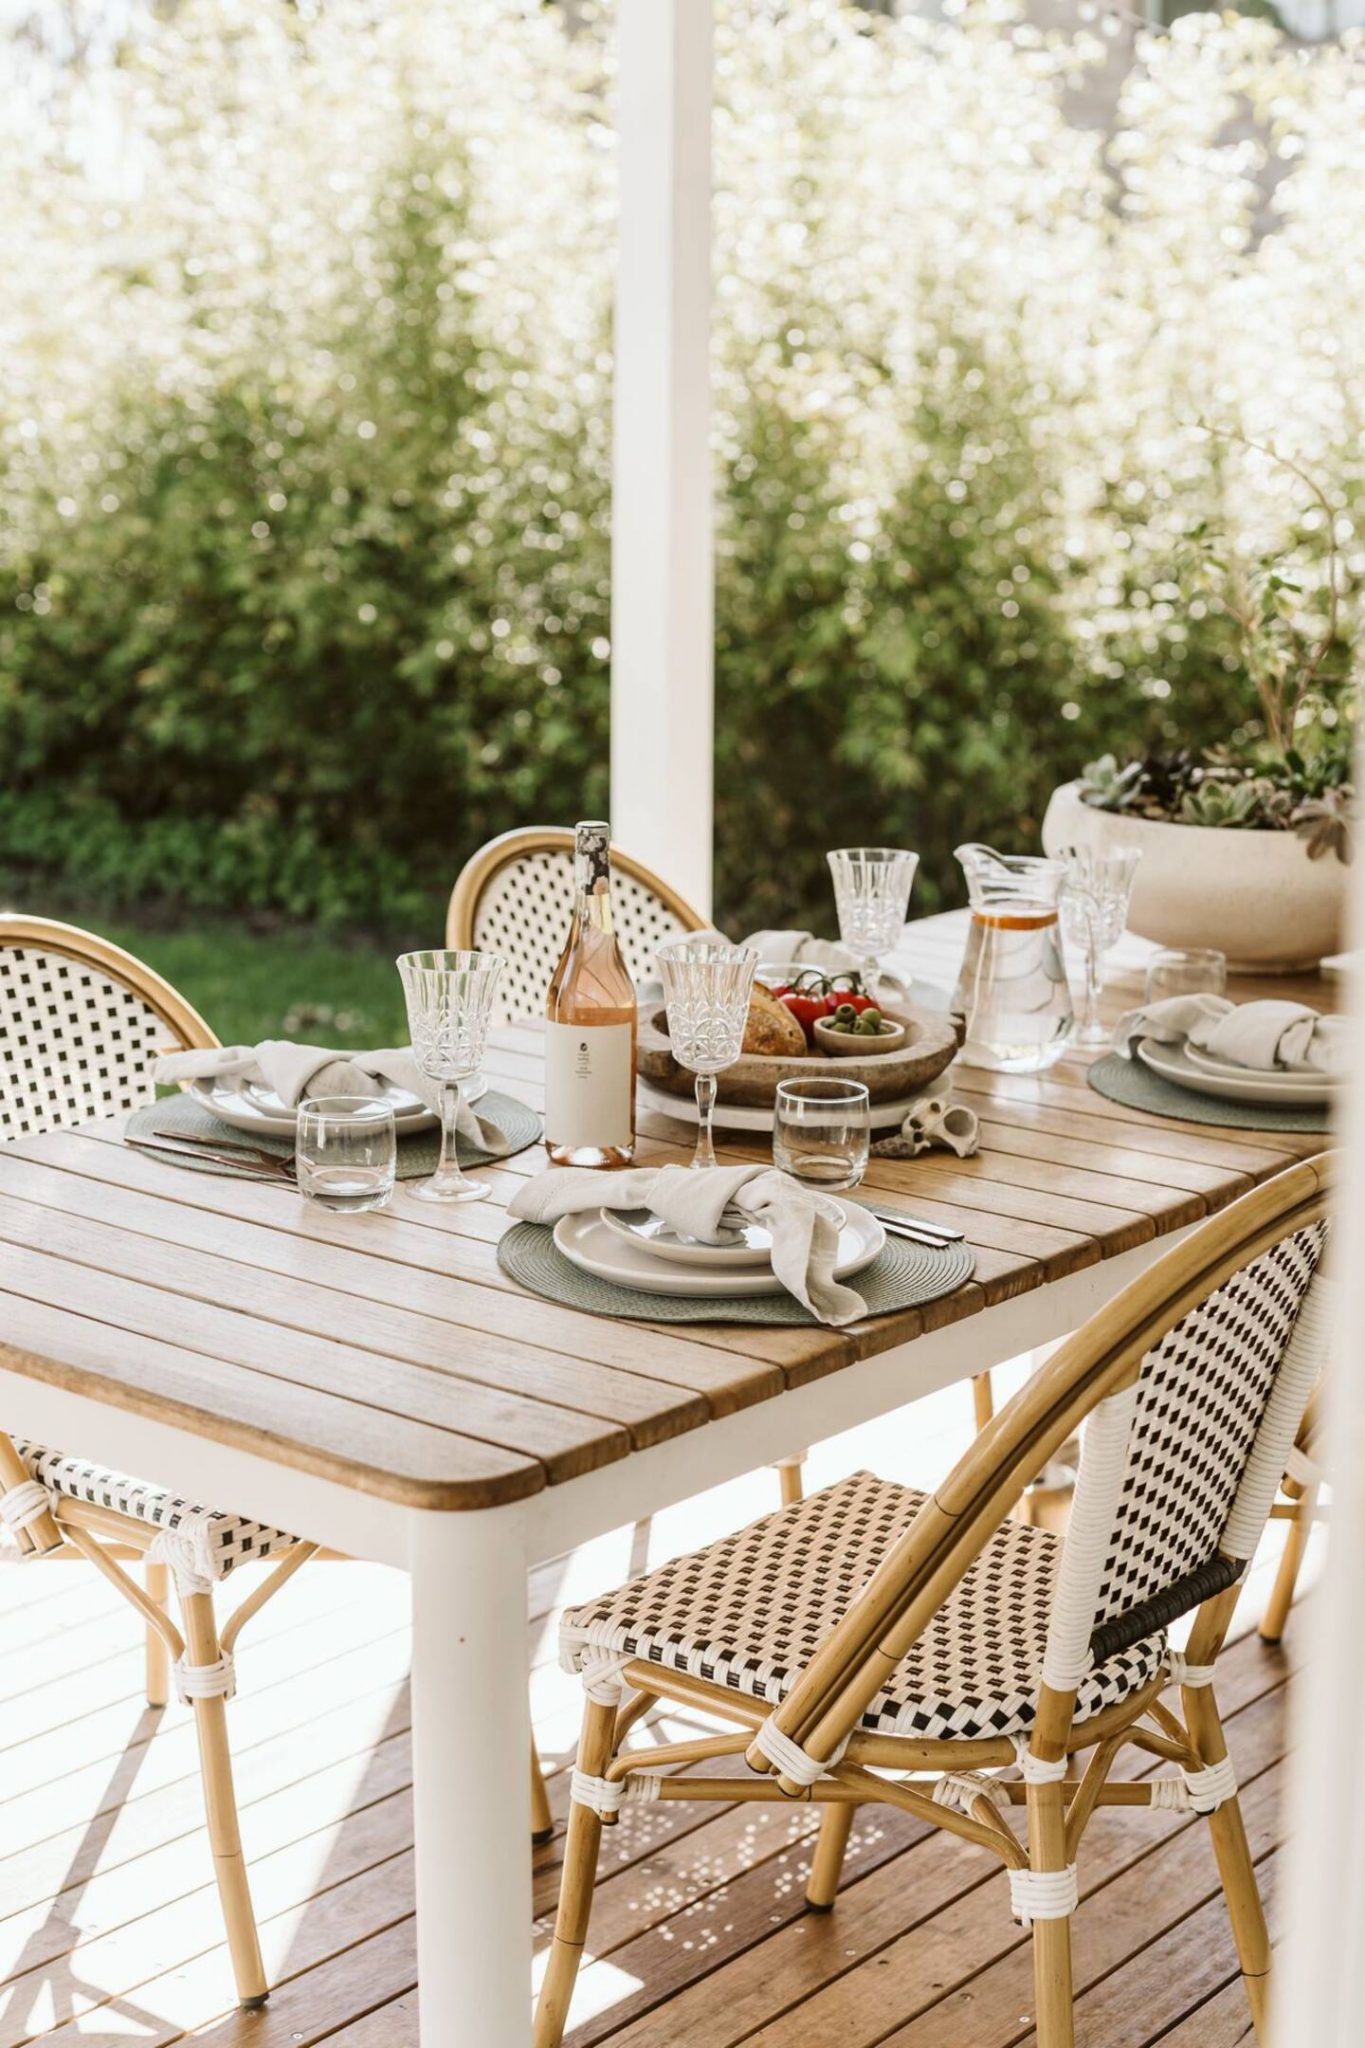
(750, 1611)
(219, 1542)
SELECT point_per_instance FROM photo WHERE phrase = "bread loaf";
(771, 1028)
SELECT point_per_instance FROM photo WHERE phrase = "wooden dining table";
(377, 1384)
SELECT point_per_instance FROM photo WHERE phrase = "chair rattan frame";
(106, 1538)
(510, 848)
(822, 1711)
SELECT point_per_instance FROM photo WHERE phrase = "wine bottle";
(590, 1025)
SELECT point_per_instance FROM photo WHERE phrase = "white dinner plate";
(1173, 1063)
(1229, 1070)
(732, 1116)
(588, 1242)
(747, 1244)
(250, 1107)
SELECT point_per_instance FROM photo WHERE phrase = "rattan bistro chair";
(872, 1628)
(81, 1023)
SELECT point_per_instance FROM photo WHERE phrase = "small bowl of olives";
(852, 1032)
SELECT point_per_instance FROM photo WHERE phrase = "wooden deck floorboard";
(108, 1921)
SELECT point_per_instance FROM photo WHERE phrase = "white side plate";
(588, 1242)
(1275, 1090)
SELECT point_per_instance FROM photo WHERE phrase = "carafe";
(1012, 989)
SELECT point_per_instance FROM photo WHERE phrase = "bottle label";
(589, 1085)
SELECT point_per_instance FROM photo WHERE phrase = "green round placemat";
(903, 1275)
(1137, 1087)
(177, 1115)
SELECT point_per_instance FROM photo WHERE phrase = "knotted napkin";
(1266, 1037)
(297, 1073)
(804, 1226)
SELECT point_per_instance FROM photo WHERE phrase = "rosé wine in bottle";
(590, 1025)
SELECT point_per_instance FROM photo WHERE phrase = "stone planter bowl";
(1255, 895)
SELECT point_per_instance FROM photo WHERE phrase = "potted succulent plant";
(1246, 847)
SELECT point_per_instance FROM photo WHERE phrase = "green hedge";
(298, 641)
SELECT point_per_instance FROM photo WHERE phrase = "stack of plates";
(250, 1107)
(635, 1248)
(1188, 1067)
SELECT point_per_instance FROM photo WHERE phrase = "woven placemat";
(177, 1115)
(1137, 1087)
(903, 1275)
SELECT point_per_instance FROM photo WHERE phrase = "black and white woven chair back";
(74, 1043)
(523, 913)
(1179, 1471)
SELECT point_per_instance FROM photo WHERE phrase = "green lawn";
(282, 984)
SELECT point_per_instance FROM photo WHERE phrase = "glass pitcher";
(1012, 989)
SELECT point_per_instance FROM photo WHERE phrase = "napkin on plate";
(804, 1225)
(1266, 1037)
(297, 1072)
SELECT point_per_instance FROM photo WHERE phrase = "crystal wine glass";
(1095, 898)
(449, 998)
(872, 895)
(707, 984)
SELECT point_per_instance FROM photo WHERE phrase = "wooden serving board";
(751, 1083)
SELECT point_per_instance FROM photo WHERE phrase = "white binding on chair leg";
(23, 1505)
(1043, 1894)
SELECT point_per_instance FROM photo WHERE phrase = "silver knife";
(170, 1148)
(944, 1231)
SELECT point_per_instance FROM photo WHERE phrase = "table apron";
(647, 1482)
(369, 1526)
(220, 1475)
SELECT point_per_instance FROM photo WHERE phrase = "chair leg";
(542, 1820)
(158, 1658)
(789, 1479)
(983, 1399)
(220, 1805)
(576, 1884)
(1054, 2008)
(1245, 1910)
(823, 1883)
(1291, 1563)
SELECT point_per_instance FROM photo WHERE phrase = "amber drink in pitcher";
(1012, 989)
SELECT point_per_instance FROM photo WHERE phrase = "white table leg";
(471, 1790)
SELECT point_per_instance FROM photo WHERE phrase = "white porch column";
(1319, 1978)
(662, 607)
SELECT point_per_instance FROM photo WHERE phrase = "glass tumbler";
(1200, 970)
(821, 1132)
(346, 1152)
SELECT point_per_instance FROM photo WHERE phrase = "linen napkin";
(1265, 1036)
(297, 1072)
(804, 1225)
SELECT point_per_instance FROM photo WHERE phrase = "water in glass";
(1012, 989)
(346, 1152)
(1193, 971)
(821, 1132)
